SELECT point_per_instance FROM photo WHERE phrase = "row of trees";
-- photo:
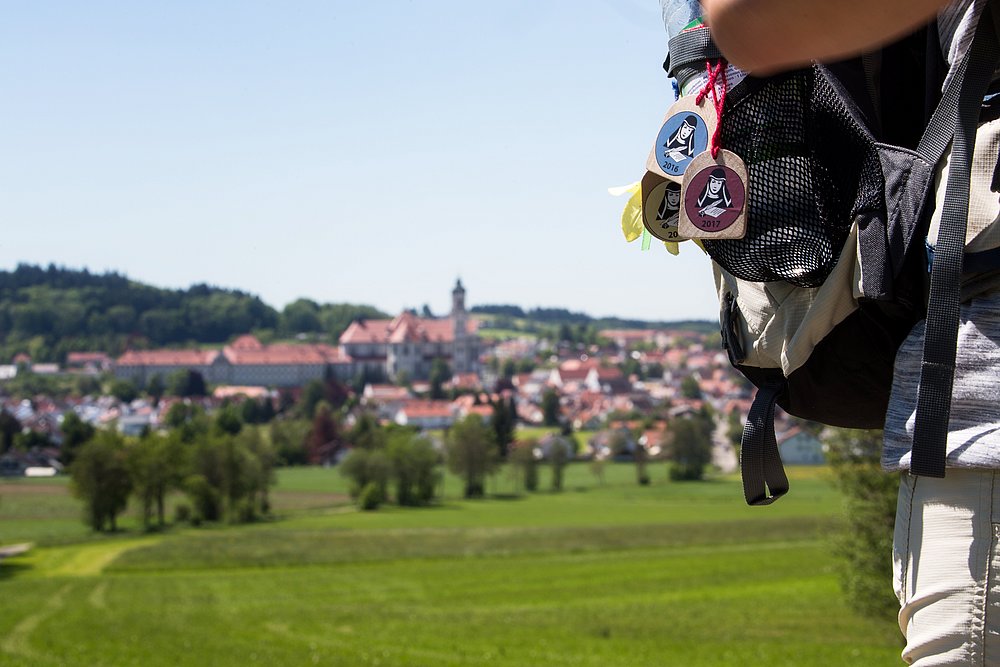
(224, 470)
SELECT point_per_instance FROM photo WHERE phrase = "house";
(88, 362)
(607, 380)
(409, 344)
(244, 362)
(572, 373)
(798, 447)
(426, 414)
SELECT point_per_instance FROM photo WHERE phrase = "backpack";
(832, 273)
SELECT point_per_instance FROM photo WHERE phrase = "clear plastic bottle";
(678, 16)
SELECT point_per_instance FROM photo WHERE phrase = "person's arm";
(765, 36)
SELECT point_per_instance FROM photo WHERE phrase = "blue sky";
(367, 152)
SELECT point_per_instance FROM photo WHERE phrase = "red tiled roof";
(167, 358)
(421, 408)
(366, 331)
(244, 355)
(574, 374)
(275, 355)
(246, 342)
(578, 365)
(405, 328)
(387, 392)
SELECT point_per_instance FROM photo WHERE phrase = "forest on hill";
(48, 312)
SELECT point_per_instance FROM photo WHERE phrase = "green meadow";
(605, 574)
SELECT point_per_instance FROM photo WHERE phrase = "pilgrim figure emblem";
(680, 147)
(683, 135)
(661, 209)
(670, 207)
(715, 199)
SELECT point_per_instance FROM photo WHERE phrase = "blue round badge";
(683, 136)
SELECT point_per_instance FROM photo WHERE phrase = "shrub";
(371, 496)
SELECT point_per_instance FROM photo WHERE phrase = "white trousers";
(946, 567)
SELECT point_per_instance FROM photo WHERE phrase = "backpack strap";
(764, 479)
(954, 121)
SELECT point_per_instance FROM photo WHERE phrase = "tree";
(9, 427)
(688, 444)
(312, 394)
(560, 452)
(550, 408)
(155, 388)
(413, 463)
(155, 464)
(734, 431)
(641, 457)
(440, 373)
(472, 454)
(369, 471)
(690, 388)
(76, 433)
(29, 439)
(301, 315)
(227, 420)
(124, 391)
(289, 439)
(261, 476)
(523, 456)
(186, 383)
(324, 441)
(366, 433)
(503, 421)
(864, 540)
(101, 479)
(229, 475)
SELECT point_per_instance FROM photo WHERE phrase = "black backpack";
(841, 161)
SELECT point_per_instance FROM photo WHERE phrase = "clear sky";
(368, 152)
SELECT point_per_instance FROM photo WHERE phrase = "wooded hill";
(48, 312)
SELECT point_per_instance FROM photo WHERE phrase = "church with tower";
(407, 345)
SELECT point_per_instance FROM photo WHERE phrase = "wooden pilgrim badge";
(661, 205)
(686, 131)
(714, 197)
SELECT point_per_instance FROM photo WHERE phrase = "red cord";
(718, 99)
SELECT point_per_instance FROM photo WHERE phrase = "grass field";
(601, 574)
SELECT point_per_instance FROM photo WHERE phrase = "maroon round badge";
(714, 198)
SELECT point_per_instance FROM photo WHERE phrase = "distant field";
(602, 574)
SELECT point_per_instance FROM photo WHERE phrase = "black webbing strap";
(764, 479)
(688, 47)
(937, 373)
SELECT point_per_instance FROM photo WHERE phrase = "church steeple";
(458, 299)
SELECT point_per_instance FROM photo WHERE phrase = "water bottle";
(681, 15)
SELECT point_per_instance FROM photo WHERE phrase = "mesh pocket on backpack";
(811, 167)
